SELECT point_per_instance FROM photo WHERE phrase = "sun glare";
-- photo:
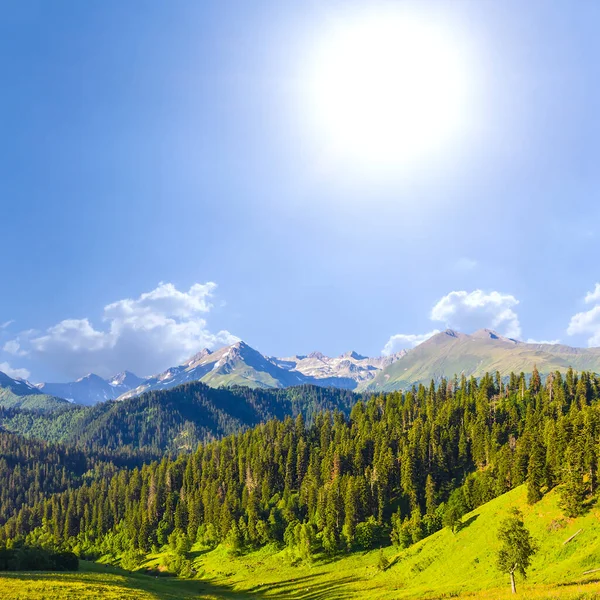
(386, 89)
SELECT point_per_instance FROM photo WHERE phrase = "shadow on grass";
(172, 588)
(197, 553)
(465, 524)
(112, 582)
(305, 588)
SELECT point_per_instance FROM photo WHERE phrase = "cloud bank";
(147, 334)
(588, 322)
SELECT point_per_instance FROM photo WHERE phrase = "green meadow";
(444, 565)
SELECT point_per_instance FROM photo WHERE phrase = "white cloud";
(587, 323)
(6, 324)
(551, 342)
(469, 311)
(14, 347)
(402, 341)
(593, 296)
(146, 335)
(15, 373)
(76, 335)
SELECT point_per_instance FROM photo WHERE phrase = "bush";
(35, 558)
(179, 565)
(234, 541)
(207, 535)
(65, 561)
(367, 534)
(132, 559)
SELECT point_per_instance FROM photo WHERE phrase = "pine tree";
(535, 469)
(573, 492)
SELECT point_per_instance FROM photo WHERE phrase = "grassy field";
(444, 565)
(104, 582)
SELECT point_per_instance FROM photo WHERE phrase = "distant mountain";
(349, 370)
(19, 387)
(443, 355)
(19, 393)
(239, 364)
(92, 389)
(452, 353)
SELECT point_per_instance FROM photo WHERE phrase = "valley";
(308, 492)
(300, 300)
(441, 566)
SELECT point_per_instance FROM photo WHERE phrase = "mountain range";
(91, 389)
(445, 354)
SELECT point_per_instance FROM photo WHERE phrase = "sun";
(386, 88)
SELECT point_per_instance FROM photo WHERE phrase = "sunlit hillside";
(442, 566)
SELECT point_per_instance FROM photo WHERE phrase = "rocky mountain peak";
(198, 356)
(490, 334)
(354, 355)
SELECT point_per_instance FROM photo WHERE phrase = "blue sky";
(149, 143)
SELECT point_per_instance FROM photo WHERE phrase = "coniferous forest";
(173, 420)
(393, 470)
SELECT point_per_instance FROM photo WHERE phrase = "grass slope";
(95, 581)
(452, 353)
(444, 565)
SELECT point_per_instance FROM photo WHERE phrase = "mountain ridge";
(451, 353)
(444, 355)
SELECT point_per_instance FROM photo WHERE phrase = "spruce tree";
(535, 469)
(573, 492)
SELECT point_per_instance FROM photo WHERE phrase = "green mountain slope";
(18, 393)
(174, 419)
(39, 402)
(452, 353)
(444, 565)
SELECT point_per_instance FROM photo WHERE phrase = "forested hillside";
(398, 469)
(17, 393)
(174, 419)
(31, 470)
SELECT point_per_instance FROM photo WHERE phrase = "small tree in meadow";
(455, 509)
(517, 547)
(382, 561)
